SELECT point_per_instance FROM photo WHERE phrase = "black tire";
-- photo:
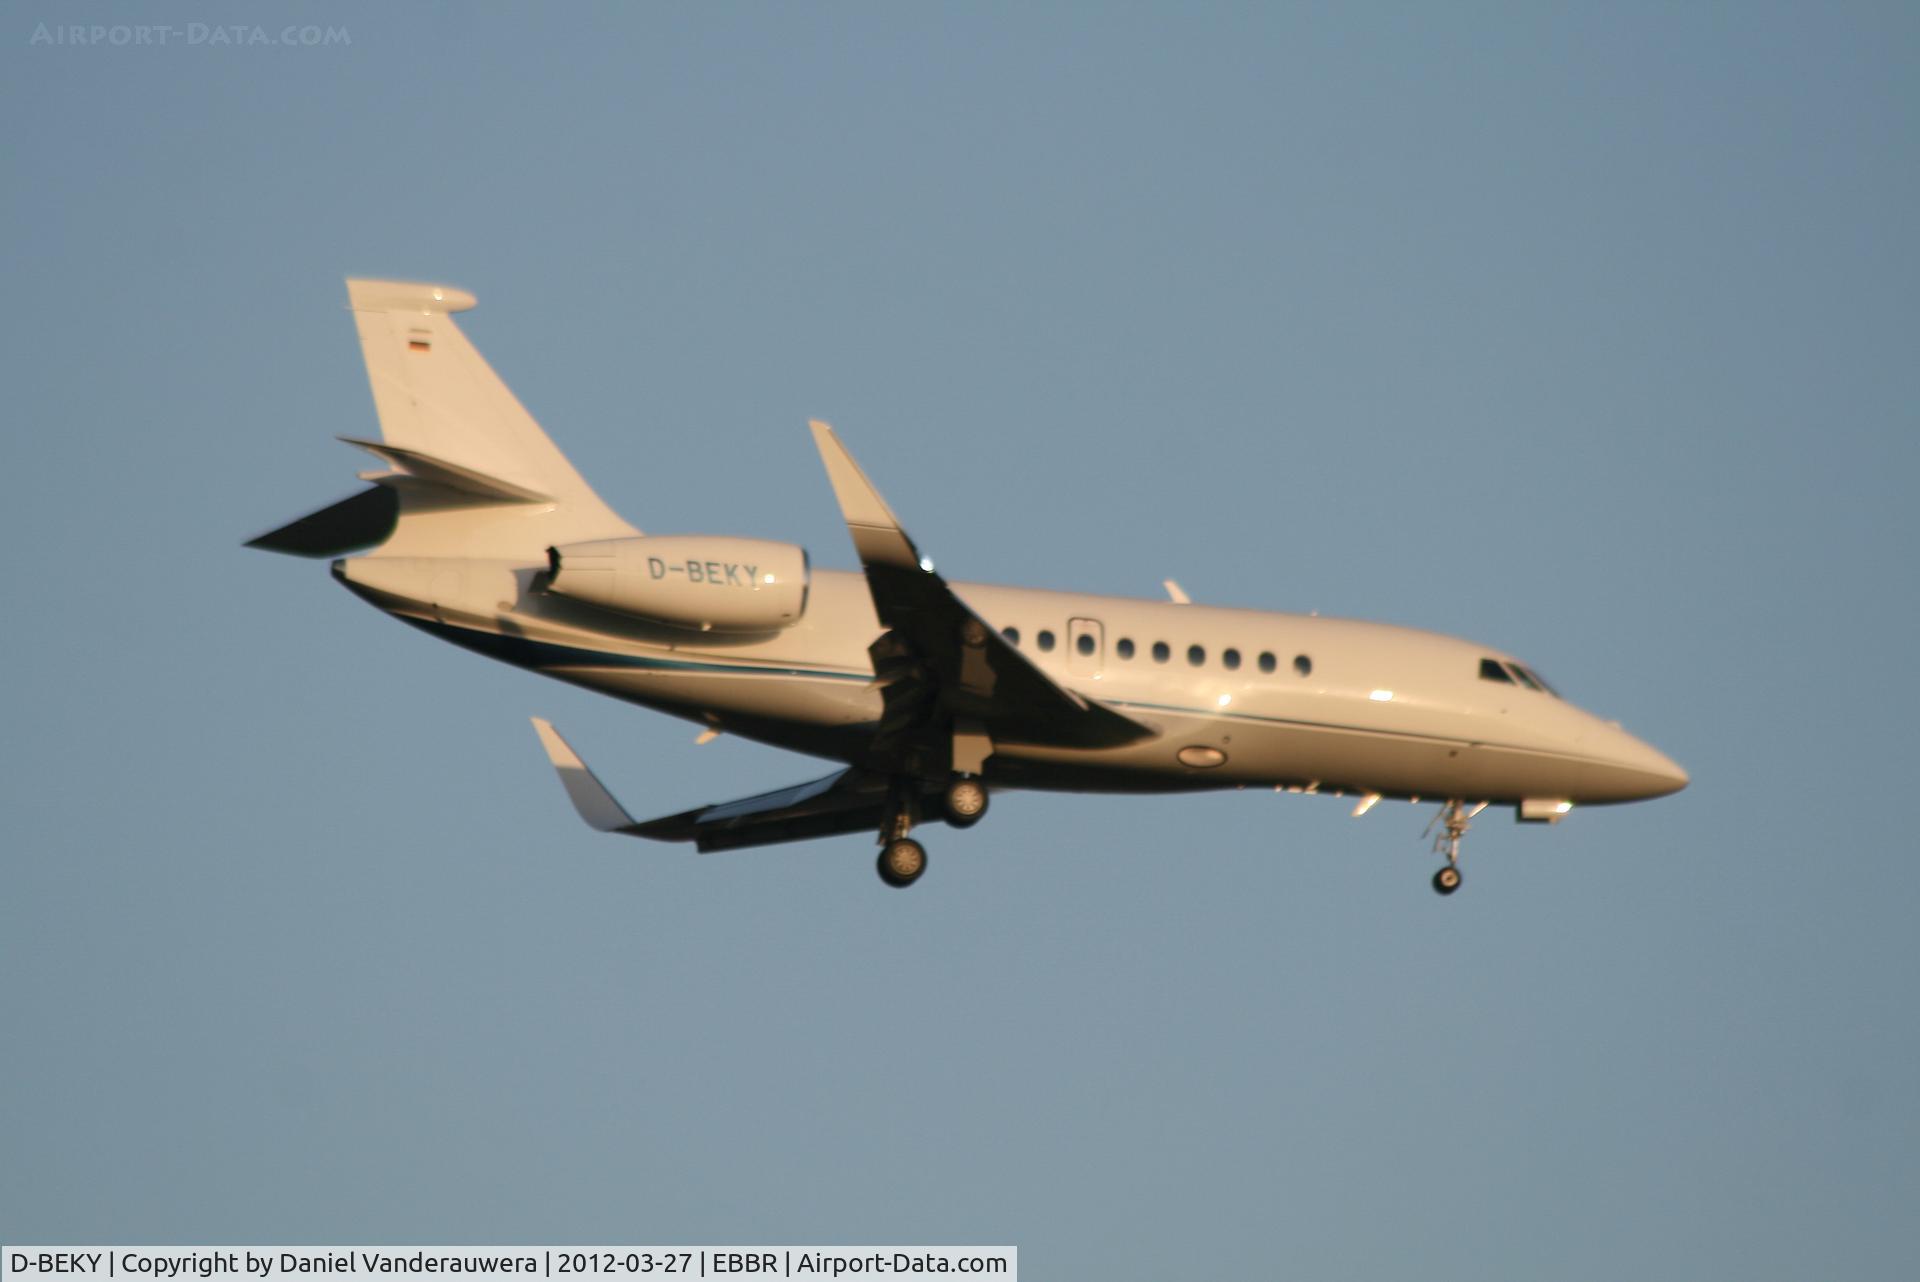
(1447, 880)
(965, 802)
(902, 862)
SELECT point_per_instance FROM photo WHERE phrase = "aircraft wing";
(940, 663)
(849, 800)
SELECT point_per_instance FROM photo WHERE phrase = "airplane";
(929, 696)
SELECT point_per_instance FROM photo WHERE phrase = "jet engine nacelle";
(713, 584)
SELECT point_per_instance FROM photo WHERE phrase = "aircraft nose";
(1656, 774)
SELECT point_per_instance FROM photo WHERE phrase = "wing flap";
(848, 800)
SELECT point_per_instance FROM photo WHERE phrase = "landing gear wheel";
(1447, 880)
(966, 801)
(902, 862)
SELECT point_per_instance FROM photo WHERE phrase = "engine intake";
(687, 581)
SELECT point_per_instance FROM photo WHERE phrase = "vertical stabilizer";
(475, 474)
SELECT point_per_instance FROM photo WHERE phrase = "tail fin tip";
(368, 295)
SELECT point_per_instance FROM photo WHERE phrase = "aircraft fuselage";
(1237, 697)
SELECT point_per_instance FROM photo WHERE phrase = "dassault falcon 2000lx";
(929, 695)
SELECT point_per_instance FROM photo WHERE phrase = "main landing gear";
(902, 859)
(966, 802)
(1454, 819)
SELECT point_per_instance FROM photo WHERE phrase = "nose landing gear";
(1454, 820)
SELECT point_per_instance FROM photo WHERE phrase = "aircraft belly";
(810, 701)
(1195, 753)
(1516, 773)
(1204, 753)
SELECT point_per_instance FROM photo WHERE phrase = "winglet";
(876, 531)
(589, 796)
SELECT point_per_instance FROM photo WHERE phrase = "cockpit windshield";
(1536, 680)
(1507, 673)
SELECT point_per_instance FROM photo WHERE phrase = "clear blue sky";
(1588, 332)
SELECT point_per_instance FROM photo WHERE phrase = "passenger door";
(1086, 647)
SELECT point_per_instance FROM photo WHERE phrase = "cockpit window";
(1515, 674)
(1539, 682)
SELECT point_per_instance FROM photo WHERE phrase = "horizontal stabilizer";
(428, 470)
(356, 522)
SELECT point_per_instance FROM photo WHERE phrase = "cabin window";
(1267, 662)
(1303, 665)
(1490, 670)
(1160, 652)
(1124, 648)
(1084, 643)
(1230, 659)
(1044, 639)
(1196, 655)
(1011, 634)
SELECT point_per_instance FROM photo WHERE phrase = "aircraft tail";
(472, 472)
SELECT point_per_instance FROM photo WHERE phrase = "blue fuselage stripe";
(525, 652)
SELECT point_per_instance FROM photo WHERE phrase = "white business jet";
(928, 695)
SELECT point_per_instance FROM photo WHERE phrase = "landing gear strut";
(902, 859)
(1454, 819)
